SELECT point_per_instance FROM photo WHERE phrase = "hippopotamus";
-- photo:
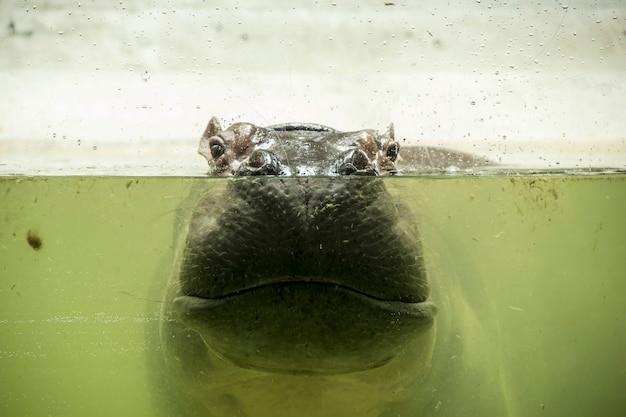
(299, 286)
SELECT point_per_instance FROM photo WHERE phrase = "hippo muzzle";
(304, 275)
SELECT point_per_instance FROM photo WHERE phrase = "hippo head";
(300, 287)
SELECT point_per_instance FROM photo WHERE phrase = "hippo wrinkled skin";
(299, 289)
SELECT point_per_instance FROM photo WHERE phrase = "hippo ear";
(212, 128)
(391, 134)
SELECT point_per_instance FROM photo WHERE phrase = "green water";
(539, 261)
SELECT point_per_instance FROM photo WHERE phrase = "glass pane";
(485, 279)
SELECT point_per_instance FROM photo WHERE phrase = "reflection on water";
(526, 271)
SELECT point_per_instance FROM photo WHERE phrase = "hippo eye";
(217, 149)
(392, 151)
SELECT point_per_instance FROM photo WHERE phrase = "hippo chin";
(300, 288)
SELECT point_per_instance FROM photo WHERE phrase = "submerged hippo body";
(300, 288)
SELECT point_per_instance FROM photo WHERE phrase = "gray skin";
(299, 288)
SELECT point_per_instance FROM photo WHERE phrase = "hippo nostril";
(355, 162)
(359, 159)
(260, 163)
(258, 159)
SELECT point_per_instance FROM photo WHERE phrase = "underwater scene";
(523, 282)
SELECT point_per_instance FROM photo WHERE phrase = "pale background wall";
(131, 84)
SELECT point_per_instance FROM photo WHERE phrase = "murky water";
(528, 272)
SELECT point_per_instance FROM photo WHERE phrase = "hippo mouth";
(306, 275)
(295, 327)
